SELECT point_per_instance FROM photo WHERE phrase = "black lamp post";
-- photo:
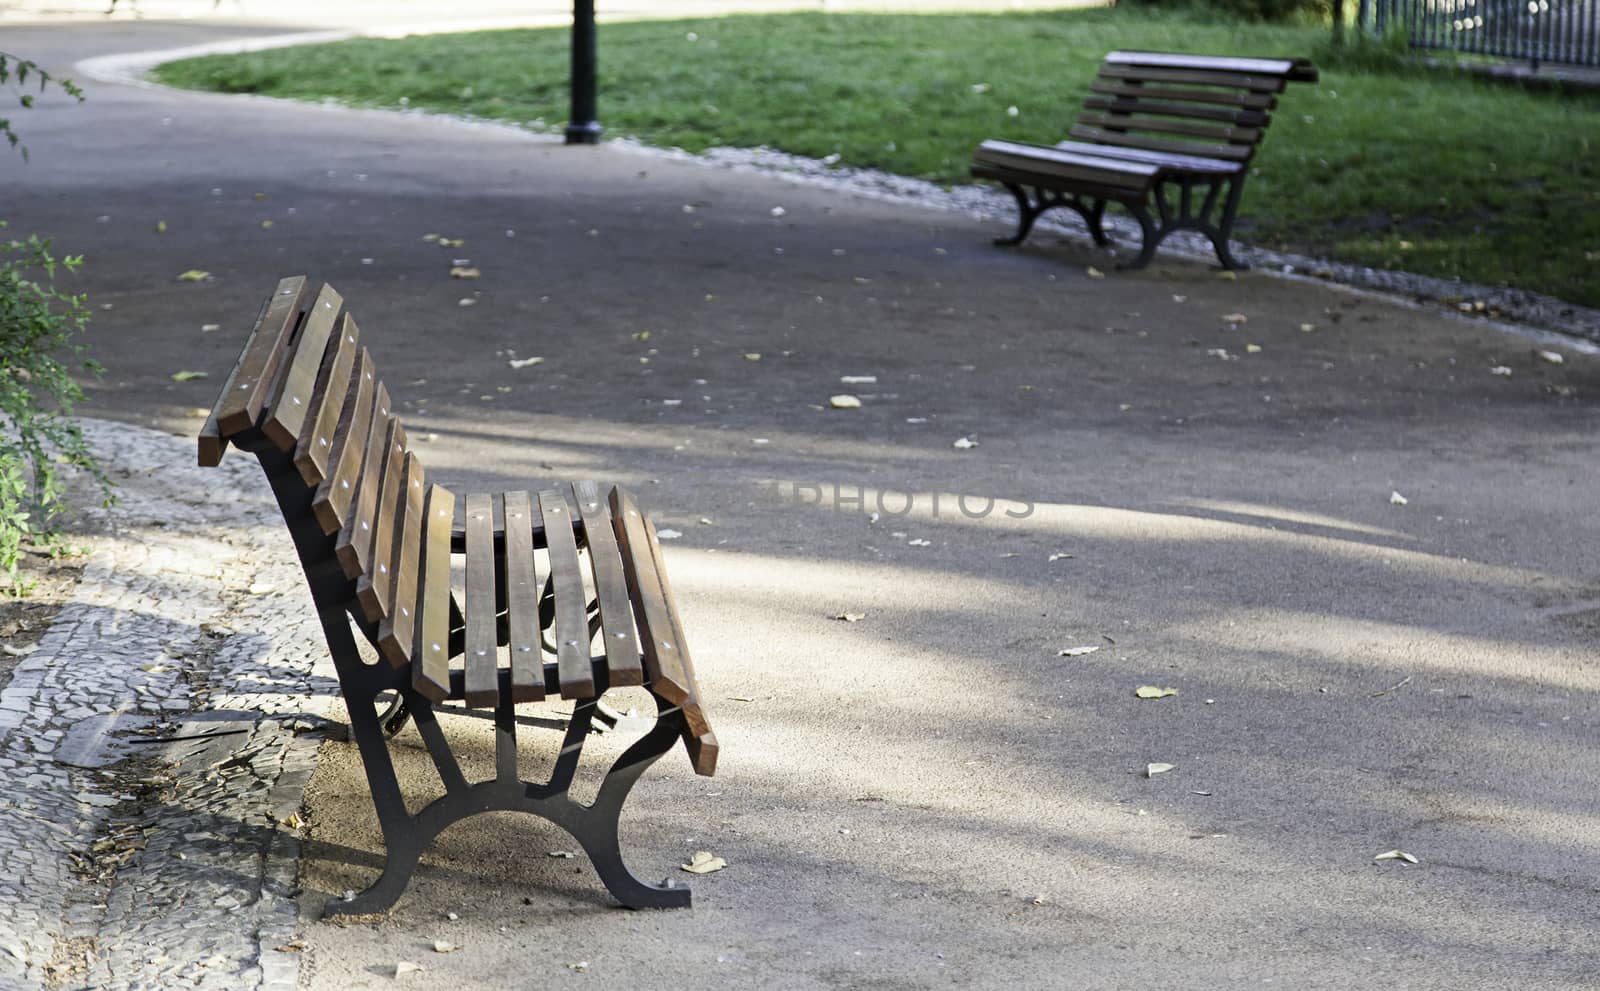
(582, 128)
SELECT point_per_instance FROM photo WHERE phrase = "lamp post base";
(587, 133)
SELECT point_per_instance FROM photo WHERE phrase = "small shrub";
(38, 341)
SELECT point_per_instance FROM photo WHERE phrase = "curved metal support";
(1152, 237)
(1027, 213)
(593, 826)
(1029, 210)
(1185, 217)
(395, 716)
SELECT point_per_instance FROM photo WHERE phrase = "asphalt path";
(1368, 562)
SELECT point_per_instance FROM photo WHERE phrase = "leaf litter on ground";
(1154, 692)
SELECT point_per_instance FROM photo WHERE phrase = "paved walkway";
(933, 795)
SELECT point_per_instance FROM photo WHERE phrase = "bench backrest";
(304, 385)
(1201, 105)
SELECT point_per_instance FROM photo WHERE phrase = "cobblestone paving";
(157, 743)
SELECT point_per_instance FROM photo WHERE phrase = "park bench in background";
(376, 539)
(1154, 124)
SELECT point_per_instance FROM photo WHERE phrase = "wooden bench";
(377, 539)
(1154, 123)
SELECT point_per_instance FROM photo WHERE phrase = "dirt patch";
(46, 579)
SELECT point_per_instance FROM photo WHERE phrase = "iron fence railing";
(1557, 31)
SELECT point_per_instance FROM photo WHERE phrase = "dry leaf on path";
(1396, 855)
(1154, 692)
(440, 946)
(1151, 770)
(1396, 499)
(187, 376)
(704, 863)
(525, 362)
(404, 967)
(851, 617)
(195, 275)
(1094, 273)
(964, 443)
(844, 402)
(1235, 318)
(464, 272)
(1076, 651)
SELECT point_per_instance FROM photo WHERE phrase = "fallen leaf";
(11, 651)
(293, 820)
(404, 967)
(526, 362)
(851, 617)
(1252, 349)
(669, 534)
(466, 301)
(1203, 794)
(1060, 557)
(194, 275)
(1307, 328)
(463, 272)
(440, 946)
(1500, 370)
(161, 227)
(1396, 855)
(963, 443)
(1396, 499)
(207, 328)
(844, 402)
(266, 225)
(1151, 770)
(187, 376)
(919, 542)
(1154, 692)
(293, 946)
(1076, 651)
(704, 863)
(1227, 275)
(1094, 273)
(1553, 357)
(858, 379)
(752, 356)
(777, 211)
(1235, 318)
(560, 854)
(580, 967)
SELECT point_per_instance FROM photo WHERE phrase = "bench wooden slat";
(331, 502)
(1052, 161)
(373, 587)
(1129, 140)
(1217, 97)
(212, 442)
(430, 669)
(354, 545)
(292, 399)
(1138, 106)
(1253, 83)
(611, 586)
(1211, 63)
(252, 381)
(396, 630)
(315, 446)
(571, 632)
(697, 736)
(480, 650)
(522, 599)
(1165, 159)
(663, 655)
(1119, 123)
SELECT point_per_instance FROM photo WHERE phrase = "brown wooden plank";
(315, 446)
(430, 671)
(1166, 108)
(1099, 135)
(663, 660)
(354, 546)
(248, 389)
(396, 630)
(697, 735)
(1122, 195)
(1254, 83)
(611, 587)
(1168, 161)
(1220, 97)
(211, 440)
(1207, 63)
(575, 668)
(374, 585)
(482, 656)
(331, 503)
(1204, 131)
(522, 600)
(1065, 165)
(292, 399)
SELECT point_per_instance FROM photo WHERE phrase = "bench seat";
(1193, 121)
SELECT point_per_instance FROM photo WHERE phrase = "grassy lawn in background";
(1433, 173)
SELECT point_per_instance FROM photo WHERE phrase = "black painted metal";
(407, 836)
(582, 126)
(1558, 31)
(1184, 217)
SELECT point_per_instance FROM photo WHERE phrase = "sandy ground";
(929, 796)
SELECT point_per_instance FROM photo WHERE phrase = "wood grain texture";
(314, 450)
(480, 651)
(522, 599)
(397, 629)
(353, 548)
(374, 585)
(212, 442)
(248, 390)
(662, 653)
(430, 671)
(573, 663)
(611, 587)
(331, 503)
(292, 398)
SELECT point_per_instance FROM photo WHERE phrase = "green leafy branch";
(16, 72)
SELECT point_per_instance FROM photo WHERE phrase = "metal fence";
(1559, 31)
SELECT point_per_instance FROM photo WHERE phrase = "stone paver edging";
(158, 741)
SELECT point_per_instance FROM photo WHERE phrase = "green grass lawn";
(1434, 173)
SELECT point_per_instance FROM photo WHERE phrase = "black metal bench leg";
(1095, 218)
(1027, 213)
(595, 828)
(1152, 238)
(1223, 231)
